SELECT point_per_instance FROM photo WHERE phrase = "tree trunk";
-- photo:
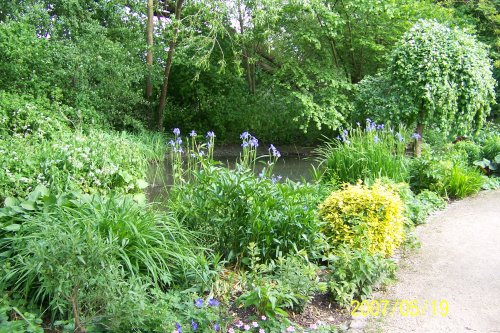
(76, 311)
(149, 55)
(245, 53)
(168, 65)
(418, 141)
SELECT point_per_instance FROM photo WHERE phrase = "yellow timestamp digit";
(444, 307)
(355, 304)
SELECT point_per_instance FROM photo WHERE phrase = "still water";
(296, 166)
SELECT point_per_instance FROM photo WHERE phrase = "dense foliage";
(82, 82)
(447, 75)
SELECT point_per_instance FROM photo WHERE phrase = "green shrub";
(354, 273)
(471, 150)
(233, 208)
(491, 147)
(447, 174)
(94, 162)
(417, 207)
(361, 216)
(366, 154)
(287, 282)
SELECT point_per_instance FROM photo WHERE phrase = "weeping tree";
(447, 75)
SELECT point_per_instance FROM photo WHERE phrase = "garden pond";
(295, 164)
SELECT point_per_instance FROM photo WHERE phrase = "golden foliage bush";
(362, 216)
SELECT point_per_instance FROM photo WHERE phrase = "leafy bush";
(362, 216)
(354, 273)
(288, 282)
(444, 173)
(417, 207)
(491, 147)
(94, 162)
(366, 154)
(17, 320)
(471, 150)
(233, 208)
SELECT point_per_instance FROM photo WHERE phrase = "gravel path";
(459, 261)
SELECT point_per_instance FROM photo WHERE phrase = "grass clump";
(366, 154)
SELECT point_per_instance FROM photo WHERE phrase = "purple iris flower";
(176, 131)
(192, 134)
(198, 302)
(210, 134)
(213, 302)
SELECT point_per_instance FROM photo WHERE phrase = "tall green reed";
(366, 153)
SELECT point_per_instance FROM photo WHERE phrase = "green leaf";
(10, 202)
(13, 227)
(28, 205)
(142, 184)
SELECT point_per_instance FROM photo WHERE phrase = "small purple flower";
(290, 329)
(345, 133)
(254, 142)
(178, 141)
(244, 144)
(192, 134)
(176, 131)
(261, 174)
(380, 127)
(239, 324)
(244, 135)
(192, 155)
(416, 136)
(246, 327)
(399, 137)
(178, 327)
(275, 179)
(376, 139)
(210, 134)
(171, 142)
(198, 302)
(213, 302)
(274, 152)
(217, 327)
(255, 324)
(194, 325)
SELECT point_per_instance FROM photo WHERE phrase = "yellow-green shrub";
(362, 216)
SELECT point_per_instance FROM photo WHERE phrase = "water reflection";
(293, 167)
